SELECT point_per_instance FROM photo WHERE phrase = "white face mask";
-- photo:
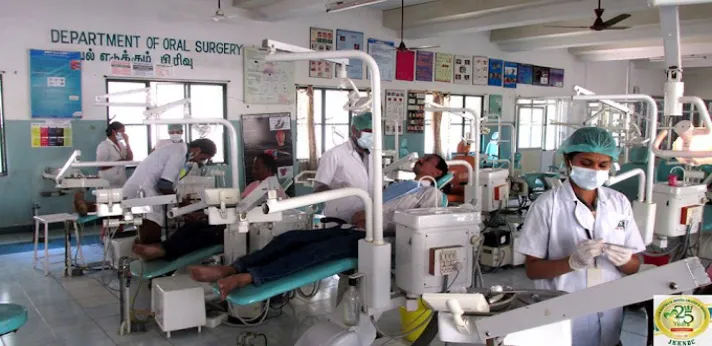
(366, 140)
(588, 179)
(176, 137)
(119, 136)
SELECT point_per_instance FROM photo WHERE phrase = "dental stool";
(64, 218)
(12, 317)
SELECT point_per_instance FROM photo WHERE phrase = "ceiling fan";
(599, 24)
(220, 15)
(402, 46)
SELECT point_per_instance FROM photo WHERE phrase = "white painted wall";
(26, 25)
(698, 82)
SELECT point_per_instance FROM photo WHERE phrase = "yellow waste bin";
(411, 319)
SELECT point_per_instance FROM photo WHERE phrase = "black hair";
(269, 161)
(205, 145)
(441, 166)
(114, 126)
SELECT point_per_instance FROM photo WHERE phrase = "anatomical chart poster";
(424, 66)
(556, 77)
(510, 74)
(463, 69)
(396, 104)
(541, 76)
(385, 55)
(351, 40)
(267, 82)
(496, 70)
(443, 67)
(525, 74)
(55, 84)
(480, 70)
(269, 133)
(321, 39)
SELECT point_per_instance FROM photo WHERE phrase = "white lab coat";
(164, 163)
(340, 167)
(555, 224)
(108, 151)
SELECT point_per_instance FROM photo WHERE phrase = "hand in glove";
(585, 253)
(618, 255)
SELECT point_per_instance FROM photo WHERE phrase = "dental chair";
(637, 158)
(12, 318)
(252, 294)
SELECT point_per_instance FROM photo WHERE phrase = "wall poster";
(351, 40)
(541, 76)
(496, 69)
(416, 111)
(51, 133)
(424, 66)
(269, 133)
(321, 39)
(463, 69)
(443, 67)
(384, 54)
(405, 65)
(525, 74)
(55, 84)
(556, 77)
(396, 104)
(510, 74)
(480, 70)
(267, 82)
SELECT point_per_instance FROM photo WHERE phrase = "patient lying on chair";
(295, 251)
(197, 234)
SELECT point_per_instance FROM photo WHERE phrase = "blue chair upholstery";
(153, 269)
(444, 180)
(707, 218)
(81, 220)
(12, 317)
(253, 294)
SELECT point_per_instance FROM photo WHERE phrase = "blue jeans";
(295, 251)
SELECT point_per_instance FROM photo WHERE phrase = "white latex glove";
(618, 255)
(585, 253)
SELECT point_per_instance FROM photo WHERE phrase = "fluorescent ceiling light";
(350, 4)
(675, 2)
(690, 57)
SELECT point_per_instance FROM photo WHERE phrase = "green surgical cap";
(362, 122)
(175, 127)
(591, 140)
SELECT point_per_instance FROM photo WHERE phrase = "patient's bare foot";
(232, 282)
(210, 273)
(149, 252)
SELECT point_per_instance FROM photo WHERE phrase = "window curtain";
(312, 164)
(440, 123)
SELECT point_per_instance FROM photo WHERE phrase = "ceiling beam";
(594, 38)
(276, 10)
(648, 17)
(514, 18)
(446, 10)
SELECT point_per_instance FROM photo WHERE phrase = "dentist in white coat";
(347, 165)
(567, 232)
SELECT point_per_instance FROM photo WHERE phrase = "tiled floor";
(81, 311)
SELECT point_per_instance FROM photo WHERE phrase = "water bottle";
(351, 304)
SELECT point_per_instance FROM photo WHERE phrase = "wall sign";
(416, 111)
(51, 133)
(137, 48)
(271, 134)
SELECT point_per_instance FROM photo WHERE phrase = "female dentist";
(582, 234)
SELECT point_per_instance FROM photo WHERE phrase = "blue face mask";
(400, 189)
